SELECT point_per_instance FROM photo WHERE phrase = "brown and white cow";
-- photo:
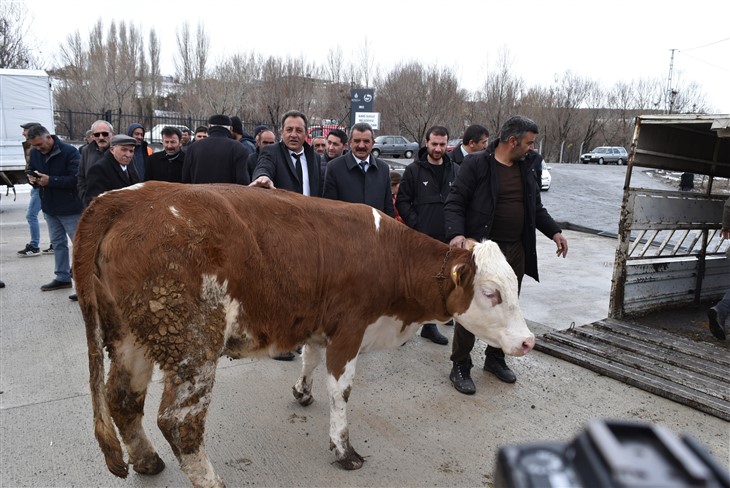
(179, 275)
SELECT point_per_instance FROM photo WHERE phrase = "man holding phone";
(52, 168)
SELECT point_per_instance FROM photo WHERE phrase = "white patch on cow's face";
(215, 294)
(386, 333)
(174, 212)
(499, 324)
(377, 218)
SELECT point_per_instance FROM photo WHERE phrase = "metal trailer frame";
(669, 250)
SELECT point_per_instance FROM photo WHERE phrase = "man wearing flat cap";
(114, 170)
(218, 158)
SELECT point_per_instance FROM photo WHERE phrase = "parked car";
(395, 146)
(546, 177)
(606, 154)
(451, 145)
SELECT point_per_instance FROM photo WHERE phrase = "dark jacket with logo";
(421, 197)
(471, 203)
(60, 196)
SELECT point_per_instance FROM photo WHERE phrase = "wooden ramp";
(693, 373)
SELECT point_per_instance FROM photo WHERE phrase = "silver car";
(606, 154)
(395, 146)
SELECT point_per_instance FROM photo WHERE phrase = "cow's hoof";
(150, 466)
(304, 399)
(352, 461)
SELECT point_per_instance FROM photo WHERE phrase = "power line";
(706, 62)
(705, 45)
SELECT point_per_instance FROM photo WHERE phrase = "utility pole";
(670, 92)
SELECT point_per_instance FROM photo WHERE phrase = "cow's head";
(493, 314)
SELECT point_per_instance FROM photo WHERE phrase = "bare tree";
(501, 92)
(15, 50)
(366, 64)
(412, 98)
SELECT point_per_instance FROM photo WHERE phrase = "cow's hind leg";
(181, 419)
(129, 375)
(311, 357)
(339, 384)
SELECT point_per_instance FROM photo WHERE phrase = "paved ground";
(413, 428)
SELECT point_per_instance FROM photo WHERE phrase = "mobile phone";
(31, 172)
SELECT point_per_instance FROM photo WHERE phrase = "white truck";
(25, 96)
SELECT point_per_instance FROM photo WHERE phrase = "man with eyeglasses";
(102, 132)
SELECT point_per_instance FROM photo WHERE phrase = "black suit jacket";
(346, 182)
(216, 159)
(107, 175)
(275, 162)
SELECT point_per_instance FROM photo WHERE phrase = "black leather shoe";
(494, 363)
(717, 329)
(56, 285)
(286, 356)
(74, 297)
(430, 331)
(461, 378)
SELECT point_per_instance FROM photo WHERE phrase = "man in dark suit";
(358, 176)
(291, 164)
(218, 158)
(474, 139)
(114, 170)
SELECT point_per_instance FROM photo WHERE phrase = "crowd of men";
(476, 191)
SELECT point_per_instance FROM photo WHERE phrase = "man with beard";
(496, 196)
(423, 190)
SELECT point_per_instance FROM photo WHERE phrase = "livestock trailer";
(669, 250)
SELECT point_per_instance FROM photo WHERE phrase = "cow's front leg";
(311, 357)
(339, 384)
(181, 419)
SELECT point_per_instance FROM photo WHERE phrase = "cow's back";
(271, 264)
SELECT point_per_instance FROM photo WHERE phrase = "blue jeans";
(34, 208)
(60, 226)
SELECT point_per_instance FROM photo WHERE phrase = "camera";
(611, 454)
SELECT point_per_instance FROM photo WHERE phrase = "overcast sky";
(606, 41)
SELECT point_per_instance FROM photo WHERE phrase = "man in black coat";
(114, 171)
(358, 176)
(167, 165)
(291, 164)
(474, 139)
(421, 195)
(218, 158)
(496, 196)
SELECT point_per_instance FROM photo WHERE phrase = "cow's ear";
(457, 272)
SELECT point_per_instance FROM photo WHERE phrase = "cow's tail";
(90, 233)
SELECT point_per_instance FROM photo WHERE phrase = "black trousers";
(463, 341)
